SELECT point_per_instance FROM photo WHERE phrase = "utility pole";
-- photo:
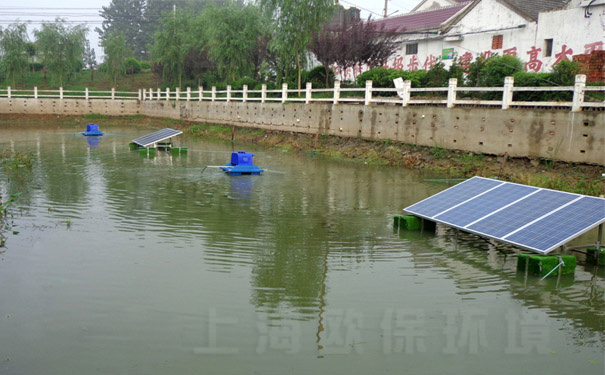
(385, 8)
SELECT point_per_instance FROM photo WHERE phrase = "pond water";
(121, 264)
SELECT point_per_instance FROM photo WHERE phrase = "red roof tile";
(420, 20)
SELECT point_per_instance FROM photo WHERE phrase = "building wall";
(571, 34)
(536, 133)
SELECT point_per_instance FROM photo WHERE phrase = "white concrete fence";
(405, 95)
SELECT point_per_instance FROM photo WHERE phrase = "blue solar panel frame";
(532, 218)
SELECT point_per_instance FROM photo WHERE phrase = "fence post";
(578, 93)
(228, 93)
(167, 93)
(284, 92)
(188, 93)
(113, 93)
(177, 93)
(60, 92)
(245, 94)
(213, 93)
(159, 94)
(263, 93)
(336, 92)
(451, 92)
(405, 96)
(368, 97)
(201, 93)
(507, 93)
(150, 93)
(85, 93)
(35, 92)
(308, 92)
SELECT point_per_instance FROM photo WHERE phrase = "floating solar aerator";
(241, 163)
(151, 140)
(537, 219)
(92, 130)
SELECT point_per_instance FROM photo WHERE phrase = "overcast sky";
(87, 12)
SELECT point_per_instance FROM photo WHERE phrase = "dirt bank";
(553, 174)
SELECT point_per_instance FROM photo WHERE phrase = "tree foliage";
(294, 22)
(125, 17)
(138, 20)
(90, 60)
(13, 50)
(357, 44)
(172, 42)
(62, 47)
(233, 36)
(116, 53)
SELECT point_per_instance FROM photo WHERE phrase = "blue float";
(241, 163)
(92, 130)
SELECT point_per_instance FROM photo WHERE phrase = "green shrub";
(437, 76)
(380, 77)
(497, 68)
(35, 67)
(239, 84)
(145, 65)
(564, 73)
(529, 79)
(132, 66)
(317, 77)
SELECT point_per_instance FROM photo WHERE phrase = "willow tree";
(116, 53)
(13, 49)
(233, 34)
(172, 41)
(61, 47)
(294, 24)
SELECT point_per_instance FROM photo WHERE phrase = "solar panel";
(485, 204)
(451, 197)
(155, 137)
(532, 218)
(521, 213)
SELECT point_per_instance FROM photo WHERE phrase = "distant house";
(540, 32)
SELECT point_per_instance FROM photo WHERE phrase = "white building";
(539, 32)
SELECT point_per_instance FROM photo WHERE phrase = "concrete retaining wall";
(536, 133)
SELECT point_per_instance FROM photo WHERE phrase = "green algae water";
(117, 263)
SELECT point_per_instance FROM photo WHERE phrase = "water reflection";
(93, 141)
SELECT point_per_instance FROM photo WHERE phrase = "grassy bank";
(552, 174)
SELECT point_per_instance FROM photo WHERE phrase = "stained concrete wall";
(536, 133)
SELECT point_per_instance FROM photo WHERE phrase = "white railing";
(368, 95)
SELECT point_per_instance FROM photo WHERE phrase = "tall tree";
(116, 53)
(370, 44)
(13, 49)
(90, 60)
(172, 42)
(62, 47)
(126, 17)
(326, 48)
(362, 42)
(234, 33)
(294, 22)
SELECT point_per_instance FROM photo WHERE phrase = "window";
(497, 41)
(547, 47)
(411, 49)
